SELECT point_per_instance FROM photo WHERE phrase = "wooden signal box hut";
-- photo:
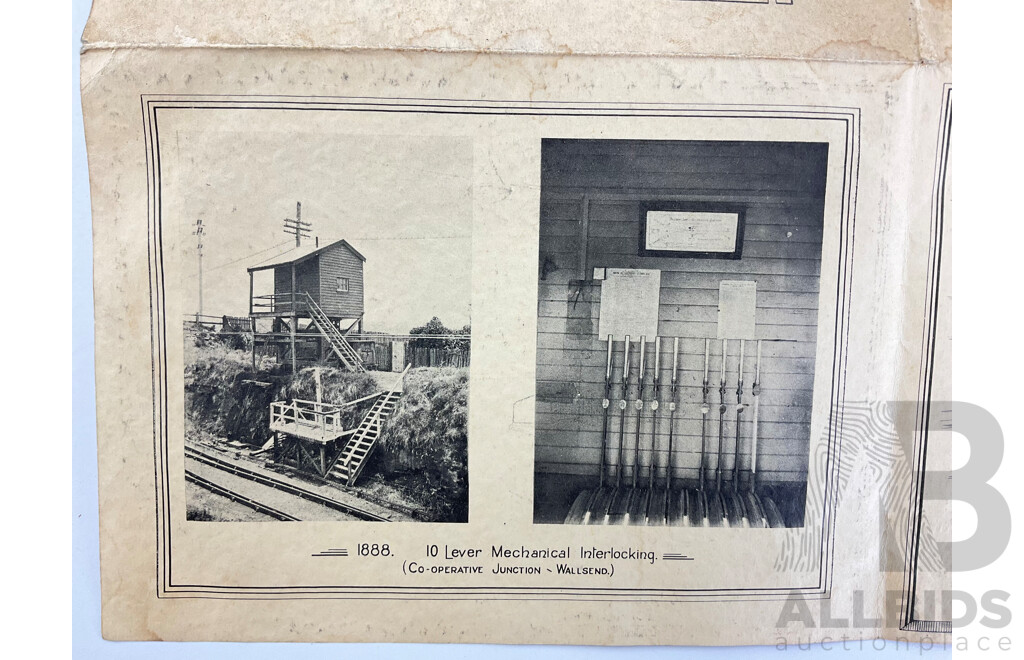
(317, 299)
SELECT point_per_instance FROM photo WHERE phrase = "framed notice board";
(691, 229)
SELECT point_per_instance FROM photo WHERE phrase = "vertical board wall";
(307, 280)
(338, 261)
(591, 192)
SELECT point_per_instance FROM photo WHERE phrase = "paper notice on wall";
(629, 303)
(737, 303)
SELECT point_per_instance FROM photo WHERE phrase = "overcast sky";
(403, 202)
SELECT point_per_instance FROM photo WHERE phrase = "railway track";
(266, 480)
(236, 497)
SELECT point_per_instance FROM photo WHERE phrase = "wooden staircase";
(348, 356)
(350, 462)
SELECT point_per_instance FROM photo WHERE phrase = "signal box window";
(342, 285)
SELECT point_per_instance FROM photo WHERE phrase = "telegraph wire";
(249, 256)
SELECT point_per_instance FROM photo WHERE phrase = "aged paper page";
(354, 382)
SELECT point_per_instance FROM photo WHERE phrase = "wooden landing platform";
(311, 433)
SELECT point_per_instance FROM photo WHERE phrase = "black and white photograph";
(326, 325)
(677, 327)
(636, 324)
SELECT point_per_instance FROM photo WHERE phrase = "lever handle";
(608, 366)
(625, 362)
(675, 360)
(739, 368)
(657, 358)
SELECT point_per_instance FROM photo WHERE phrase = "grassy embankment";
(420, 461)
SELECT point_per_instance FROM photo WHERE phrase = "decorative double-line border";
(152, 107)
(924, 422)
(748, 2)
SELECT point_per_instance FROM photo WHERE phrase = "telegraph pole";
(198, 233)
(297, 227)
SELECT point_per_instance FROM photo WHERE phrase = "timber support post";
(252, 322)
(295, 318)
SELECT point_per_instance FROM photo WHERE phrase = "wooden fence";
(376, 353)
(379, 356)
(437, 357)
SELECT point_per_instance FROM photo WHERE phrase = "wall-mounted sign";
(629, 303)
(691, 230)
(737, 306)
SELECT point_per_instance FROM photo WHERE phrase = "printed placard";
(629, 303)
(692, 231)
(737, 306)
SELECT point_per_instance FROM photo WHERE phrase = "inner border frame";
(166, 587)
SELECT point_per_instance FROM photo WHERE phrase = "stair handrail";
(317, 406)
(384, 395)
(400, 378)
(365, 398)
(353, 430)
(394, 387)
(352, 359)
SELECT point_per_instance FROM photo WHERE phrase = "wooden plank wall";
(337, 262)
(593, 188)
(307, 279)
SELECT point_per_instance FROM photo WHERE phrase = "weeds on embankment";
(421, 459)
